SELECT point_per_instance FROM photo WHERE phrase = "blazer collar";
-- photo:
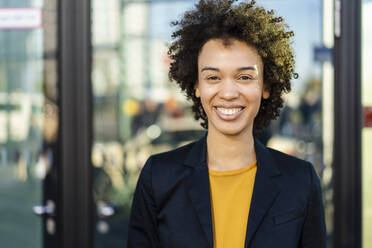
(264, 193)
(197, 156)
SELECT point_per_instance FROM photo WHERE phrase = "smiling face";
(230, 85)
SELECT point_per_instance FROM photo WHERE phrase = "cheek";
(253, 94)
(205, 105)
(206, 94)
(203, 100)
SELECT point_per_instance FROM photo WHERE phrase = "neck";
(229, 152)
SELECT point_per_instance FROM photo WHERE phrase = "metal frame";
(348, 125)
(75, 201)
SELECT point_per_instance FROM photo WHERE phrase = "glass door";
(28, 123)
(138, 112)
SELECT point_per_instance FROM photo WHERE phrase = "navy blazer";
(172, 208)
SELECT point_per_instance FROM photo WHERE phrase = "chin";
(229, 130)
(231, 133)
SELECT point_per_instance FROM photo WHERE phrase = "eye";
(213, 78)
(245, 77)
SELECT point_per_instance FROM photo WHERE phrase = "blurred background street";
(136, 111)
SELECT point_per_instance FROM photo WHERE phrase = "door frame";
(347, 224)
(75, 201)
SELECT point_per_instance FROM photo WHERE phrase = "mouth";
(229, 113)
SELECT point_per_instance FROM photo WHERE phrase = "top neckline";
(232, 172)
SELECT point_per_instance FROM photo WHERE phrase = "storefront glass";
(28, 117)
(138, 112)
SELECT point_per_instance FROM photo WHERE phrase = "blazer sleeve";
(142, 222)
(314, 229)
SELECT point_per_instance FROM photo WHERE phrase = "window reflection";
(28, 115)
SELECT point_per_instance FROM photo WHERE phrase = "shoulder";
(285, 160)
(164, 171)
(280, 162)
(167, 164)
(294, 169)
(174, 156)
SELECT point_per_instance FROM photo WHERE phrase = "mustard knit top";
(231, 193)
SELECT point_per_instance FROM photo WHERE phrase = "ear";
(265, 93)
(197, 92)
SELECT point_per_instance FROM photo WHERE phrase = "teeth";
(229, 111)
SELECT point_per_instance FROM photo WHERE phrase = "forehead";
(234, 54)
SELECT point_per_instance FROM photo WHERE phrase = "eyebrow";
(253, 68)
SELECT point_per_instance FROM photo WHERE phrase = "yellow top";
(231, 193)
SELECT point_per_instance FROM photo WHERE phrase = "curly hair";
(222, 19)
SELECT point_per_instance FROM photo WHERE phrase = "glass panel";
(305, 126)
(27, 115)
(367, 130)
(138, 112)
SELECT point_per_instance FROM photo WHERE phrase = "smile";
(229, 111)
(228, 114)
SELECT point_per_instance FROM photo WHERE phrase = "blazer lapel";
(265, 190)
(197, 185)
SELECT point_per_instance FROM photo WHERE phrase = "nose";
(228, 90)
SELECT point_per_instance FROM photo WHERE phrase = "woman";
(227, 189)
